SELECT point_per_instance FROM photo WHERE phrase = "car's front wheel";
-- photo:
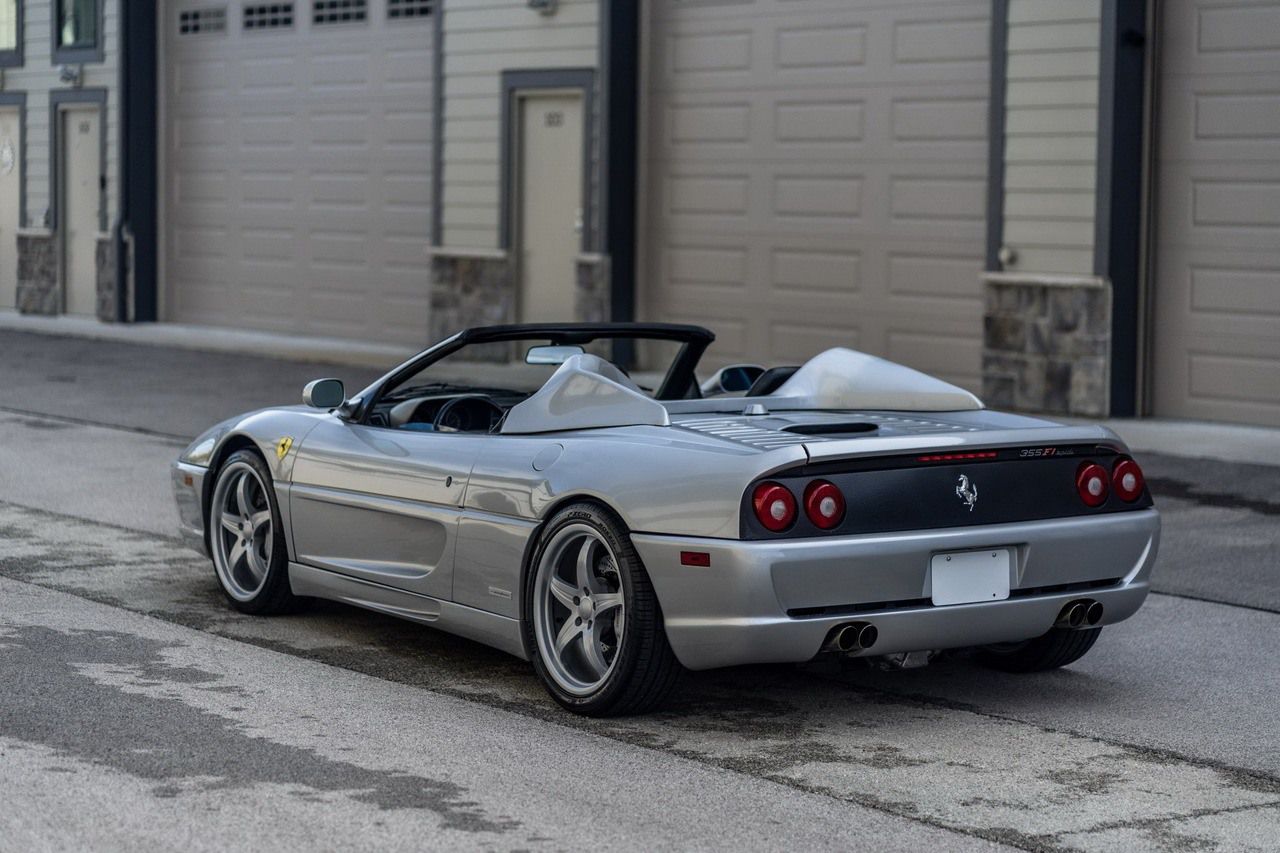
(246, 539)
(599, 644)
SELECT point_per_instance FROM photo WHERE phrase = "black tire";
(275, 596)
(1057, 648)
(644, 669)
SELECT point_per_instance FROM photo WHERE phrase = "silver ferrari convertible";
(517, 486)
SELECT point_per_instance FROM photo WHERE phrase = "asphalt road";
(138, 711)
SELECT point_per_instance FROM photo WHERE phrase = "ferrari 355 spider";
(514, 485)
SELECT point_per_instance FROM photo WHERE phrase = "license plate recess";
(969, 577)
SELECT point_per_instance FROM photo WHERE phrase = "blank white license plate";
(965, 577)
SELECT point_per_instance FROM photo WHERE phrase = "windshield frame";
(679, 382)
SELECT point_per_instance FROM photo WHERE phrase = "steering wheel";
(473, 413)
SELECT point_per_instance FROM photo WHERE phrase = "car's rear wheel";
(246, 539)
(1057, 648)
(597, 634)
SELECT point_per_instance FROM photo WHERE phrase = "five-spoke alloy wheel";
(581, 609)
(245, 539)
(597, 632)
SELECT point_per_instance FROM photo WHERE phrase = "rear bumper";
(771, 601)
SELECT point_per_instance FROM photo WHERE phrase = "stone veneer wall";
(105, 261)
(1047, 344)
(38, 286)
(480, 290)
(468, 291)
(38, 273)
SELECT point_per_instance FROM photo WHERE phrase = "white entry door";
(10, 181)
(81, 207)
(550, 205)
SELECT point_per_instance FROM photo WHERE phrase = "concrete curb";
(214, 339)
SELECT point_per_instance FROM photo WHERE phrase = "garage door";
(1217, 273)
(297, 166)
(815, 176)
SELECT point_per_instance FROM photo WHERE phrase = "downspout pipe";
(135, 228)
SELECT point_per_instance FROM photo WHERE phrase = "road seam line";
(85, 422)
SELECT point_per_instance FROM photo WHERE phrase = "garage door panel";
(307, 151)
(1236, 202)
(787, 46)
(927, 124)
(1225, 118)
(915, 271)
(794, 342)
(1242, 292)
(1225, 37)
(1216, 206)
(1225, 294)
(829, 272)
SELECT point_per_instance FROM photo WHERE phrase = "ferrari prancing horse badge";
(282, 447)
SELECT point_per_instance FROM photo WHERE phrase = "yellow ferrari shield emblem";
(282, 446)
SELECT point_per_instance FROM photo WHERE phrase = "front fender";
(275, 433)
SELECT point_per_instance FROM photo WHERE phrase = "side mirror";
(733, 379)
(324, 393)
(551, 354)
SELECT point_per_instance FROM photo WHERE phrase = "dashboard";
(480, 413)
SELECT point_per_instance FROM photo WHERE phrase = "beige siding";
(37, 77)
(482, 39)
(1051, 140)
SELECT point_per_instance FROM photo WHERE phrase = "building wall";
(1047, 319)
(1051, 135)
(39, 285)
(37, 77)
(483, 38)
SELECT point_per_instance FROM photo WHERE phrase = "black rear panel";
(914, 493)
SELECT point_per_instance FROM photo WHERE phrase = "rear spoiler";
(855, 448)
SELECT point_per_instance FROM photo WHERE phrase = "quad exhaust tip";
(853, 638)
(1093, 613)
(1085, 613)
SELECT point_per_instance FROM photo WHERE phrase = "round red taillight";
(775, 506)
(824, 504)
(1126, 480)
(1091, 483)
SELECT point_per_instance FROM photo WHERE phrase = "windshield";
(472, 386)
(504, 368)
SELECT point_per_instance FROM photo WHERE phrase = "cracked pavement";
(140, 712)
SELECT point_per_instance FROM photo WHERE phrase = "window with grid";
(77, 24)
(193, 21)
(338, 11)
(409, 8)
(8, 26)
(268, 16)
